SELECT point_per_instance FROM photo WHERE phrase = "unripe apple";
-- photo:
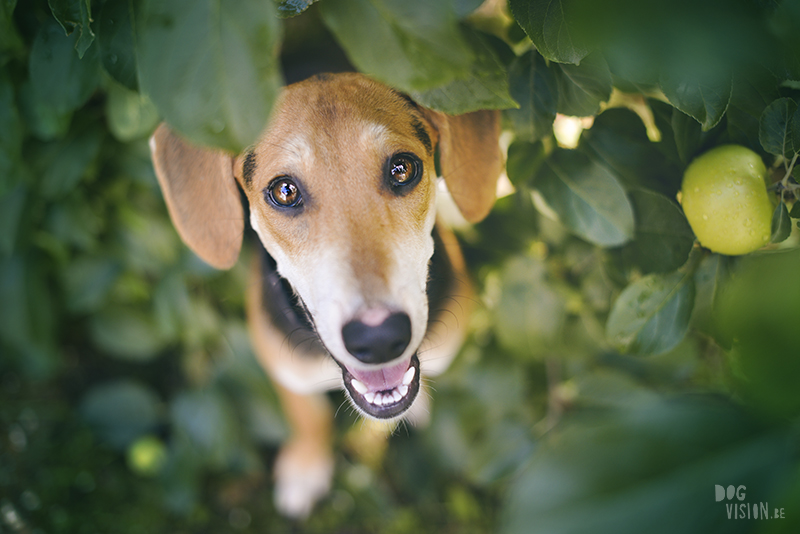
(724, 196)
(147, 455)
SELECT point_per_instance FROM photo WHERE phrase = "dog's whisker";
(456, 298)
(345, 402)
(336, 383)
(442, 321)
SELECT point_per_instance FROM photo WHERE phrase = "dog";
(355, 284)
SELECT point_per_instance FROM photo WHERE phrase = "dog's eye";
(283, 192)
(404, 169)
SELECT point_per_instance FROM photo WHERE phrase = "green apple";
(724, 196)
(147, 455)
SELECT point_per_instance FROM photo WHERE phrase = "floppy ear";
(470, 159)
(201, 196)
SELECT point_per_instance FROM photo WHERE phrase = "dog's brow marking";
(409, 101)
(249, 167)
(416, 124)
(422, 135)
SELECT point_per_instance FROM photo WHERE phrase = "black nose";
(378, 344)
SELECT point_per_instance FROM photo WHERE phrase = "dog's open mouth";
(386, 392)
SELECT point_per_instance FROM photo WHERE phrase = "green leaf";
(87, 281)
(781, 224)
(130, 115)
(264, 421)
(510, 227)
(58, 76)
(705, 98)
(27, 317)
(207, 419)
(44, 121)
(795, 213)
(710, 280)
(15, 314)
(533, 85)
(74, 221)
(75, 15)
(618, 139)
(292, 8)
(62, 164)
(11, 44)
(498, 451)
(171, 303)
(466, 7)
(758, 311)
(210, 67)
(751, 95)
(11, 135)
(126, 334)
(663, 237)
(116, 43)
(779, 128)
(687, 135)
(530, 313)
(548, 24)
(121, 411)
(650, 466)
(150, 242)
(11, 206)
(523, 161)
(421, 45)
(587, 198)
(582, 88)
(651, 315)
(486, 87)
(467, 428)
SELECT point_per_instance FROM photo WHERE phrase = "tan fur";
(356, 248)
(467, 159)
(201, 197)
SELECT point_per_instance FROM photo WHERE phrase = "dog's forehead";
(342, 111)
(345, 97)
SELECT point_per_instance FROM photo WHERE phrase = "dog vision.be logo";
(742, 510)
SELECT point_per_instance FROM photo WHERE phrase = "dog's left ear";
(201, 196)
(470, 158)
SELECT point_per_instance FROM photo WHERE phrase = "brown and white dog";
(356, 286)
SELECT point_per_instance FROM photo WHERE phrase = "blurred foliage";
(615, 375)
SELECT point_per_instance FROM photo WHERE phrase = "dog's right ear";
(201, 196)
(470, 158)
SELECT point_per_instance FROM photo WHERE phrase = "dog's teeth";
(396, 395)
(403, 390)
(380, 400)
(358, 386)
(409, 376)
(370, 396)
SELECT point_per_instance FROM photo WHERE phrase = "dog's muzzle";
(381, 389)
(386, 392)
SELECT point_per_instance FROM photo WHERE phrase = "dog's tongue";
(382, 379)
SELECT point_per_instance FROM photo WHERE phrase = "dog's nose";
(380, 343)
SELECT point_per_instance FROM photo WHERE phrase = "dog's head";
(341, 188)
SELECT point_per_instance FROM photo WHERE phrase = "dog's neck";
(289, 315)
